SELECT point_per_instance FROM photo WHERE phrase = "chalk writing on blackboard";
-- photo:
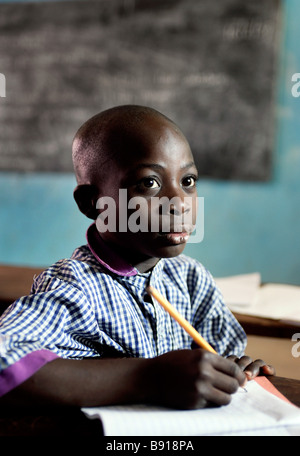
(209, 65)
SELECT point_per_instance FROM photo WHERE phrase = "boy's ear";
(86, 199)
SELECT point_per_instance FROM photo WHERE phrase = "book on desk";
(245, 294)
(254, 412)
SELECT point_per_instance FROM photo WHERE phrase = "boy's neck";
(118, 259)
(140, 262)
(146, 265)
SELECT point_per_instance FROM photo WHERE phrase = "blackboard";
(210, 65)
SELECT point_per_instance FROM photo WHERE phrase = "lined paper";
(255, 412)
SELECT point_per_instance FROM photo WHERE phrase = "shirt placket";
(164, 339)
(136, 286)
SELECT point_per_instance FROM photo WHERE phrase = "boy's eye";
(150, 183)
(189, 181)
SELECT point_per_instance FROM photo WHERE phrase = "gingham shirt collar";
(110, 259)
(113, 262)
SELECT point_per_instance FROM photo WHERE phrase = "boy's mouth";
(175, 238)
(178, 238)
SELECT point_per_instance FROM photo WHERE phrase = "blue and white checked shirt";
(94, 305)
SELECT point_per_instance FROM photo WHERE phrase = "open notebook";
(244, 294)
(255, 412)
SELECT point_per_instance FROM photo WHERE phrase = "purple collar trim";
(109, 257)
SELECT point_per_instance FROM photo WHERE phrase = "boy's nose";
(177, 209)
(175, 206)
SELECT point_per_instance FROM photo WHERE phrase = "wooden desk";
(51, 422)
(290, 388)
(15, 281)
(72, 422)
(257, 326)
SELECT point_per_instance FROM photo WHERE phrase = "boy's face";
(157, 167)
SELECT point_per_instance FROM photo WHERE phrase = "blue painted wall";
(248, 227)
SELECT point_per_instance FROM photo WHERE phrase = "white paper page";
(256, 412)
(239, 291)
(279, 302)
(243, 294)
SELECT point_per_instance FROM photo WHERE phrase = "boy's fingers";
(230, 368)
(232, 358)
(243, 362)
(226, 384)
(268, 370)
(217, 397)
(217, 388)
(254, 369)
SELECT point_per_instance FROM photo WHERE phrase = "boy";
(89, 334)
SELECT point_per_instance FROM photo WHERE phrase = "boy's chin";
(155, 245)
(170, 251)
(160, 245)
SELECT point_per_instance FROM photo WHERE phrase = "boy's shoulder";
(184, 263)
(191, 273)
(72, 269)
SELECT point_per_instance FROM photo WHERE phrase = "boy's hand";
(252, 368)
(190, 379)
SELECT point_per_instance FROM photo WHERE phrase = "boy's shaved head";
(105, 137)
(131, 153)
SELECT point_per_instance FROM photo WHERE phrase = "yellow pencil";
(181, 320)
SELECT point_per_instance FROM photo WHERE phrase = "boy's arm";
(87, 382)
(181, 379)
